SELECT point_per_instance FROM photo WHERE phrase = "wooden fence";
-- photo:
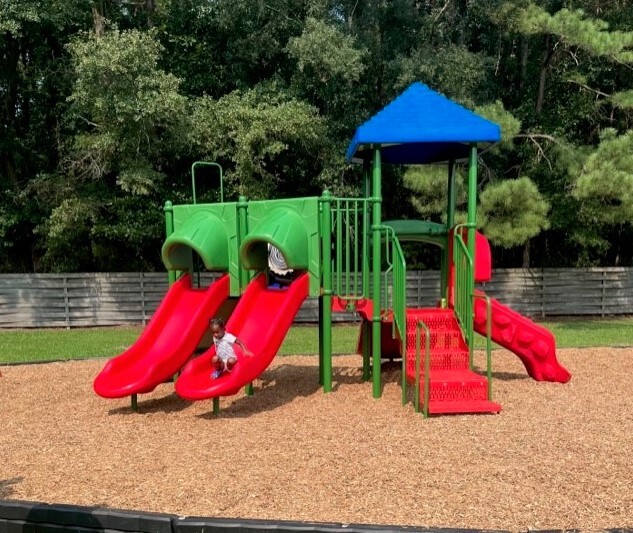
(77, 300)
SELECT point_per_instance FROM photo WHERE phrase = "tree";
(128, 119)
(270, 143)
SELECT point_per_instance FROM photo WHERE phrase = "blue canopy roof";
(422, 126)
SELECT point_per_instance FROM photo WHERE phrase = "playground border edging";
(17, 516)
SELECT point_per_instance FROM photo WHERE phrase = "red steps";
(453, 387)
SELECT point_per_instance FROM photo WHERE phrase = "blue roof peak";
(422, 126)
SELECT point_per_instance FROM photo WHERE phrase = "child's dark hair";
(217, 322)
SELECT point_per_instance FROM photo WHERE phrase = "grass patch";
(55, 344)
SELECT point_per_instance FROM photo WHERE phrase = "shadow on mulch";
(172, 403)
(281, 385)
(6, 486)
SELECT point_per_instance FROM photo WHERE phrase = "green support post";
(472, 223)
(242, 231)
(216, 406)
(366, 270)
(169, 229)
(243, 273)
(325, 320)
(376, 272)
(450, 222)
(134, 402)
(321, 340)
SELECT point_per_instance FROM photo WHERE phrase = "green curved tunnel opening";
(283, 228)
(203, 233)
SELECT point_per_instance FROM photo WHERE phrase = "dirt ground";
(558, 456)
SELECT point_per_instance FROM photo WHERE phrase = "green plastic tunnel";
(203, 233)
(283, 228)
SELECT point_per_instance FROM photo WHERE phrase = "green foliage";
(430, 187)
(450, 69)
(132, 109)
(605, 185)
(509, 124)
(324, 53)
(272, 142)
(512, 212)
(106, 104)
(576, 29)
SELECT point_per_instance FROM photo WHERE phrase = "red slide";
(260, 320)
(166, 343)
(535, 345)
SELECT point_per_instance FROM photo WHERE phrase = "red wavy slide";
(168, 341)
(261, 320)
(535, 345)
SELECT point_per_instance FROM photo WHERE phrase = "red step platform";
(453, 387)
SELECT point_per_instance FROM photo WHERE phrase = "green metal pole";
(242, 273)
(169, 229)
(321, 340)
(450, 222)
(365, 325)
(472, 222)
(134, 402)
(325, 322)
(242, 231)
(472, 199)
(376, 271)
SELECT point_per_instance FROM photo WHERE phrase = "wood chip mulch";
(557, 457)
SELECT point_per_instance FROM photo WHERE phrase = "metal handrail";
(488, 340)
(193, 177)
(463, 286)
(427, 367)
(350, 217)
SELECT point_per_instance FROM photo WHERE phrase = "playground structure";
(343, 253)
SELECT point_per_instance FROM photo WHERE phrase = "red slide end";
(533, 344)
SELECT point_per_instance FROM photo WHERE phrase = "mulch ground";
(558, 456)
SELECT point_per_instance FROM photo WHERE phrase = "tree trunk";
(150, 7)
(548, 55)
(98, 20)
(526, 255)
(523, 61)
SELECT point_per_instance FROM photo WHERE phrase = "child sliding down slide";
(224, 359)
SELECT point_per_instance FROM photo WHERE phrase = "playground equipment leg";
(134, 402)
(366, 350)
(376, 272)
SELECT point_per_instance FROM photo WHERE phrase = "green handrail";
(351, 244)
(488, 340)
(396, 265)
(427, 367)
(193, 177)
(463, 287)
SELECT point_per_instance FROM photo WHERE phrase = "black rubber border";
(33, 517)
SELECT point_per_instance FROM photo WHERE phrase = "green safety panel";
(285, 229)
(203, 232)
(419, 230)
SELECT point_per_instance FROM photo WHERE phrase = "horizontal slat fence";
(112, 299)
